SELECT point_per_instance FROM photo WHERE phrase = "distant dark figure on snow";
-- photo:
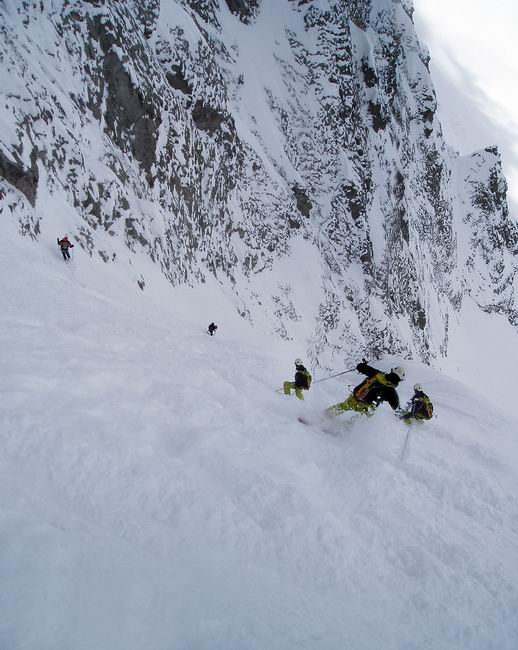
(212, 328)
(64, 244)
(419, 407)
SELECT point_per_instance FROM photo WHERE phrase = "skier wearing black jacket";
(302, 380)
(419, 408)
(377, 388)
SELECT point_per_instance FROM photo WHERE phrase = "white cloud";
(474, 52)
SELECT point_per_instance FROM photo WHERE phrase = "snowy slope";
(155, 492)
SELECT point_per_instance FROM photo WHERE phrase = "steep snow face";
(156, 493)
(235, 138)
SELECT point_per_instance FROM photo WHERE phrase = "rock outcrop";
(214, 136)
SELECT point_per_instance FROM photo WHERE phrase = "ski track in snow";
(157, 493)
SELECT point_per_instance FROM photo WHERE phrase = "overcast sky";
(474, 50)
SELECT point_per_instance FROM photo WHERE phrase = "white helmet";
(419, 388)
(298, 362)
(399, 372)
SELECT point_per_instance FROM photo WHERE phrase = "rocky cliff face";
(212, 135)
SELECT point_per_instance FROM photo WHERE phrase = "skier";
(212, 328)
(378, 387)
(302, 380)
(419, 407)
(64, 244)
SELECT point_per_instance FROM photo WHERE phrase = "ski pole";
(403, 450)
(337, 375)
(278, 390)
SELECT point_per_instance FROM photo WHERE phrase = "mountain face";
(220, 137)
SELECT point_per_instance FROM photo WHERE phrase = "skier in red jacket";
(64, 244)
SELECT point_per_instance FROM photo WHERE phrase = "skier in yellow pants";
(378, 387)
(302, 380)
(350, 404)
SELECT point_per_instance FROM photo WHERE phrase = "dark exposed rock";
(144, 144)
(304, 204)
(102, 31)
(359, 12)
(85, 240)
(419, 316)
(379, 123)
(176, 78)
(92, 210)
(207, 118)
(132, 234)
(148, 13)
(25, 180)
(434, 184)
(355, 204)
(131, 116)
(206, 10)
(127, 110)
(400, 219)
(366, 257)
(369, 76)
(124, 103)
(244, 9)
(427, 114)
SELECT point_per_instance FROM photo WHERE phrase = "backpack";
(302, 379)
(424, 410)
(361, 391)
